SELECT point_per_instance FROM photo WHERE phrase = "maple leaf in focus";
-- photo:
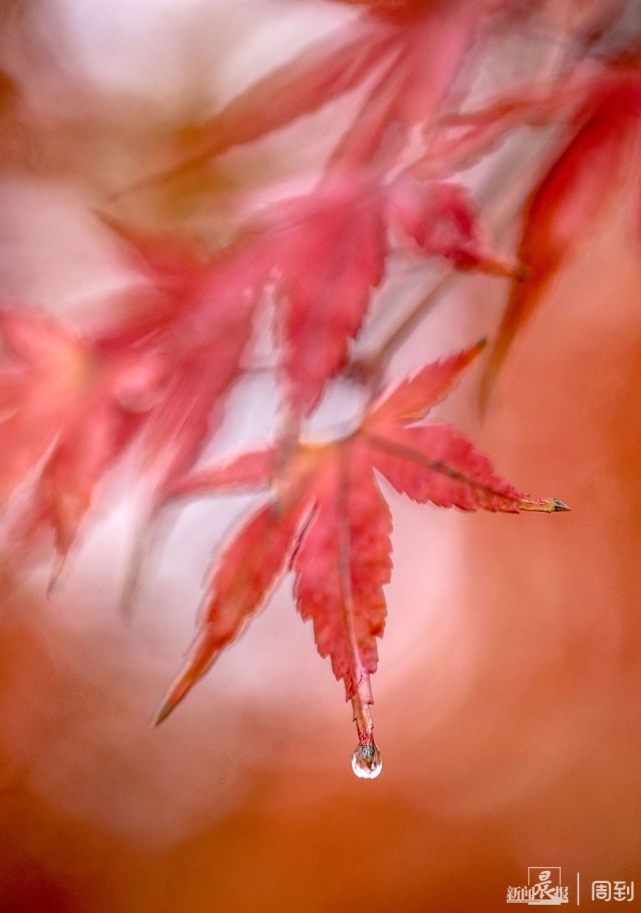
(589, 168)
(329, 523)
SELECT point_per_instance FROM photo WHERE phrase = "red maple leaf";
(328, 251)
(587, 169)
(205, 358)
(411, 50)
(161, 370)
(68, 412)
(198, 318)
(329, 523)
(72, 402)
(343, 228)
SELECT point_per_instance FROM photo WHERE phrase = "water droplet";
(367, 762)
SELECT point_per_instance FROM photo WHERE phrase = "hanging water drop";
(367, 761)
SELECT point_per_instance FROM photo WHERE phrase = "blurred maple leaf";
(342, 227)
(590, 166)
(67, 413)
(328, 521)
(195, 302)
(413, 51)
(161, 370)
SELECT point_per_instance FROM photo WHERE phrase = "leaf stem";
(359, 689)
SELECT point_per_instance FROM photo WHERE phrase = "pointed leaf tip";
(164, 709)
(543, 505)
(177, 691)
(182, 685)
(160, 714)
(411, 398)
(57, 571)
